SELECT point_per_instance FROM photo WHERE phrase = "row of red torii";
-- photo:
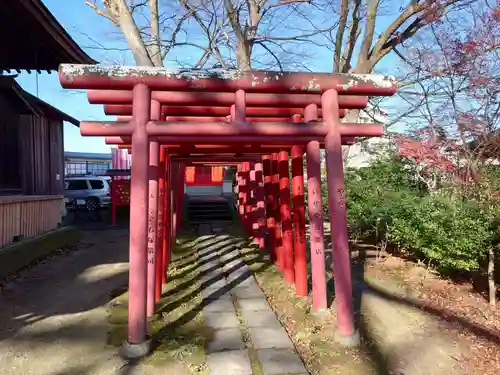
(173, 118)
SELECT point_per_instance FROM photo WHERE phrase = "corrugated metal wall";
(28, 216)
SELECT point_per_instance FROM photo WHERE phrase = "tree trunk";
(243, 53)
(491, 277)
(133, 36)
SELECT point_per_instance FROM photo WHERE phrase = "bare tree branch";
(390, 38)
(354, 33)
(369, 31)
(287, 2)
(155, 47)
(344, 12)
(262, 44)
(106, 12)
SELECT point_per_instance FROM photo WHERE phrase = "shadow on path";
(69, 283)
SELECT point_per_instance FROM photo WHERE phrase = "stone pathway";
(248, 338)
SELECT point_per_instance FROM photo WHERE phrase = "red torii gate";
(166, 131)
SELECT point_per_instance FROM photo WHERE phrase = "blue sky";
(89, 29)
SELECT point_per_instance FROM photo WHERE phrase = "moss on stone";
(19, 255)
(178, 330)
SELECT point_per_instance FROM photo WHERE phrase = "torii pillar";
(299, 220)
(138, 344)
(277, 214)
(316, 222)
(270, 210)
(286, 217)
(346, 331)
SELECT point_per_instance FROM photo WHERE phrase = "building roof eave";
(31, 103)
(35, 39)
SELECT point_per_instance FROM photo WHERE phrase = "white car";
(91, 192)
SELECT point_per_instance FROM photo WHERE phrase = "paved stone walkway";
(248, 338)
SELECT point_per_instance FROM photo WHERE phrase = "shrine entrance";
(255, 121)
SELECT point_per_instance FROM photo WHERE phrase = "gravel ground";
(53, 316)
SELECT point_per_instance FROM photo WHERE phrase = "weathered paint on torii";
(235, 110)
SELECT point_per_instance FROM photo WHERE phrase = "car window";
(77, 185)
(96, 184)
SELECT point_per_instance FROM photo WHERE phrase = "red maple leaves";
(462, 101)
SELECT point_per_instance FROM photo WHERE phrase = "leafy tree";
(457, 142)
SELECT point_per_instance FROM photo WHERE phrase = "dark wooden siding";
(57, 157)
(10, 176)
(31, 151)
(27, 152)
(42, 155)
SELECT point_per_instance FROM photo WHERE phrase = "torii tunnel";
(254, 120)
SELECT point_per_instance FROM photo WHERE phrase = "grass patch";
(254, 361)
(178, 330)
(313, 335)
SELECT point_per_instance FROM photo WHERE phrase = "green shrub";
(451, 229)
(451, 233)
(377, 194)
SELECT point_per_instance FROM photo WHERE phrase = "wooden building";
(31, 143)
(31, 131)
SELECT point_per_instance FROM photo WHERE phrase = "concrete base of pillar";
(135, 350)
(321, 313)
(351, 341)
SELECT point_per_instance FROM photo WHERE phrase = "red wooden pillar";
(269, 206)
(315, 210)
(286, 216)
(250, 208)
(171, 198)
(276, 193)
(152, 223)
(154, 158)
(242, 192)
(299, 221)
(239, 180)
(336, 202)
(174, 202)
(260, 213)
(114, 200)
(249, 199)
(167, 221)
(245, 169)
(137, 317)
(160, 232)
(181, 173)
(252, 204)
